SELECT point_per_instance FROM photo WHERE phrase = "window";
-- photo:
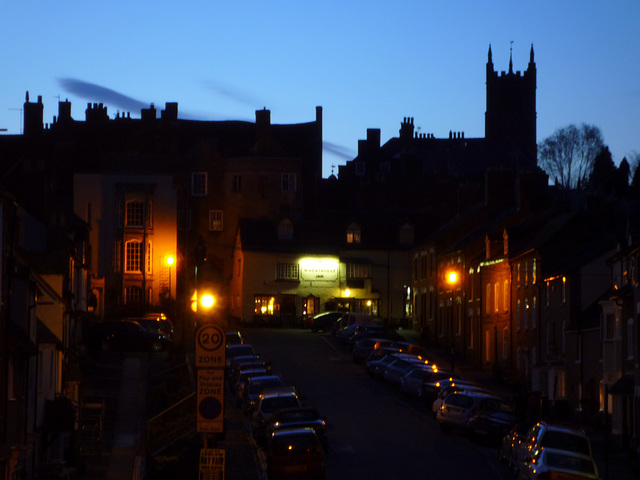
(132, 295)
(236, 186)
(285, 230)
(215, 220)
(134, 214)
(199, 184)
(518, 275)
(534, 273)
(496, 301)
(358, 270)
(133, 257)
(353, 233)
(287, 271)
(505, 293)
(526, 274)
(518, 314)
(534, 312)
(149, 258)
(265, 305)
(488, 299)
(564, 289)
(288, 182)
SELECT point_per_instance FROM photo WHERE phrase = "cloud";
(338, 150)
(97, 93)
(233, 94)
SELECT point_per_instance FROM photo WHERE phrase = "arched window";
(353, 233)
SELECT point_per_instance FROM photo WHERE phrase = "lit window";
(199, 184)
(534, 273)
(215, 220)
(534, 312)
(133, 256)
(265, 305)
(134, 214)
(287, 271)
(496, 301)
(506, 295)
(487, 308)
(353, 233)
(288, 182)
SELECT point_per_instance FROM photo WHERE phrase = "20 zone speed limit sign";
(210, 344)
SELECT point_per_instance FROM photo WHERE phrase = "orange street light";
(452, 278)
(170, 260)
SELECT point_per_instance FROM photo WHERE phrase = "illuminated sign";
(319, 269)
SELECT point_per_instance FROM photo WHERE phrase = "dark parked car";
(324, 321)
(233, 338)
(125, 336)
(297, 418)
(363, 348)
(165, 323)
(364, 331)
(295, 453)
(492, 426)
(233, 351)
(254, 386)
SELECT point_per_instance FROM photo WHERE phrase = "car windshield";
(463, 401)
(240, 350)
(565, 441)
(289, 444)
(297, 415)
(557, 460)
(270, 405)
(260, 384)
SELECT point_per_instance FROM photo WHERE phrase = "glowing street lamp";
(452, 278)
(170, 260)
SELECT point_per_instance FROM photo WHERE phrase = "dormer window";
(285, 230)
(353, 233)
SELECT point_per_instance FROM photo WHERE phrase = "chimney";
(33, 115)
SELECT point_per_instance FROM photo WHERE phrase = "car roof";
(294, 431)
(279, 392)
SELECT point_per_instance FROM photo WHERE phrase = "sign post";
(210, 363)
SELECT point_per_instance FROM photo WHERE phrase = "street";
(374, 432)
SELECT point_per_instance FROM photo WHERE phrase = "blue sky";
(367, 63)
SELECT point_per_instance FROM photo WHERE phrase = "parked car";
(378, 368)
(239, 381)
(454, 386)
(298, 417)
(363, 348)
(394, 371)
(457, 408)
(324, 321)
(547, 463)
(254, 386)
(233, 351)
(546, 435)
(125, 336)
(233, 338)
(295, 453)
(351, 318)
(270, 401)
(154, 326)
(408, 347)
(164, 321)
(491, 426)
(432, 387)
(412, 381)
(373, 330)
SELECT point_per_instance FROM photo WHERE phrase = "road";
(375, 433)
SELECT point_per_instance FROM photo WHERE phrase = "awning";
(625, 385)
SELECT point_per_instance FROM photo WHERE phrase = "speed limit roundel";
(210, 338)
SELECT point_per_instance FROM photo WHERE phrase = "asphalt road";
(375, 433)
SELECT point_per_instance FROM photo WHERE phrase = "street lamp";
(452, 279)
(170, 260)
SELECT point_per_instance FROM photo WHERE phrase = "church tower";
(510, 119)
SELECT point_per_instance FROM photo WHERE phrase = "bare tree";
(567, 156)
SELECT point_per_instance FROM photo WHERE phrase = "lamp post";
(170, 260)
(452, 279)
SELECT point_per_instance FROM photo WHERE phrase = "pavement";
(124, 458)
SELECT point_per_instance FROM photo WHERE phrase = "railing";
(171, 424)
